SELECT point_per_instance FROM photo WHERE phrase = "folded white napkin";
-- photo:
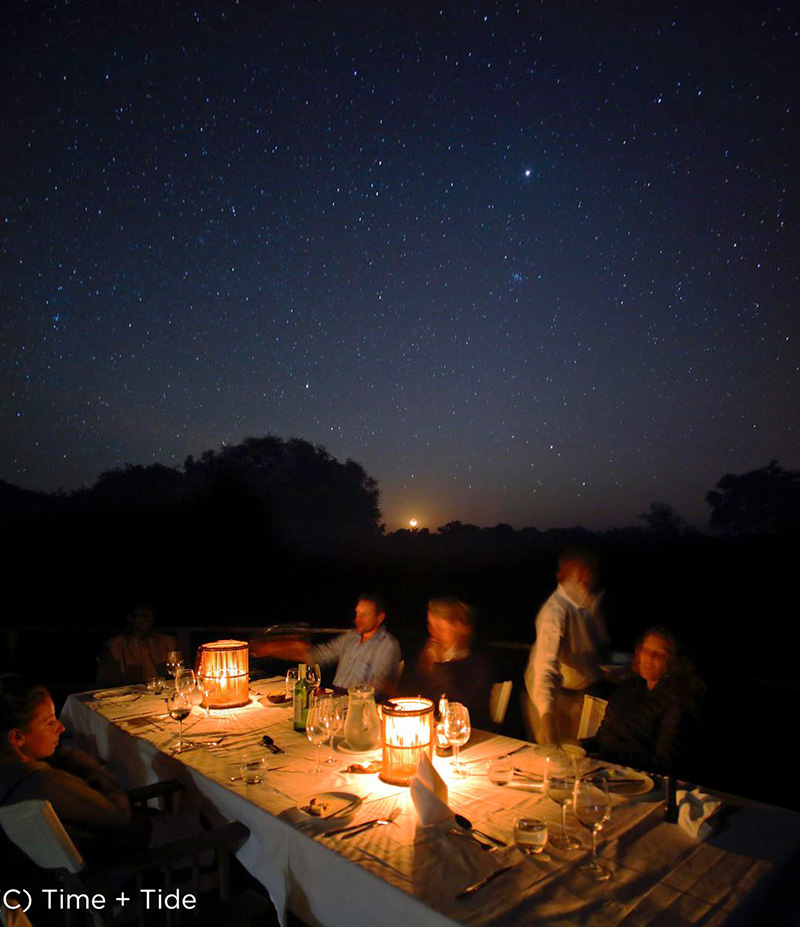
(429, 794)
(696, 810)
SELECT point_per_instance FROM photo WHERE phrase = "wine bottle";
(302, 692)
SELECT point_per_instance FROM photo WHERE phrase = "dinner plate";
(106, 694)
(331, 805)
(641, 785)
(545, 750)
(344, 747)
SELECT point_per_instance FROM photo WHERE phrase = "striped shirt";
(375, 661)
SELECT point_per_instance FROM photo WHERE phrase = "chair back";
(592, 714)
(498, 700)
(35, 828)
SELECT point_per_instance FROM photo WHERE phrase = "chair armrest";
(163, 857)
(144, 793)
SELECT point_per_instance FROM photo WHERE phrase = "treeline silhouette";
(273, 531)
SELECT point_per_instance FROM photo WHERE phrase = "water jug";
(362, 727)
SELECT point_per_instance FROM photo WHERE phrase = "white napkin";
(696, 810)
(429, 794)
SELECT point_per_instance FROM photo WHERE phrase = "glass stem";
(564, 820)
(180, 736)
(316, 761)
(594, 848)
(456, 764)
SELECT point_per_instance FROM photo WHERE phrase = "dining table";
(403, 872)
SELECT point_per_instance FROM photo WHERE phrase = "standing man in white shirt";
(571, 640)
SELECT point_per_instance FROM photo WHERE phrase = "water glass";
(253, 770)
(501, 770)
(155, 685)
(530, 834)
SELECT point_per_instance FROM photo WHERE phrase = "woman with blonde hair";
(448, 664)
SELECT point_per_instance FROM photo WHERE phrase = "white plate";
(641, 786)
(335, 805)
(344, 747)
(544, 750)
(105, 694)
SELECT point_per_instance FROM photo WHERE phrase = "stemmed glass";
(333, 708)
(174, 661)
(185, 680)
(179, 707)
(560, 775)
(291, 681)
(205, 685)
(317, 731)
(593, 809)
(313, 676)
(457, 730)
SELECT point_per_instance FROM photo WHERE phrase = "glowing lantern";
(407, 734)
(224, 666)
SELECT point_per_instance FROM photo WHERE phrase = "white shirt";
(570, 639)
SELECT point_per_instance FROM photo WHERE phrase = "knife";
(471, 889)
(353, 829)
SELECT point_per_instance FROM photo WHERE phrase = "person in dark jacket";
(651, 722)
(448, 663)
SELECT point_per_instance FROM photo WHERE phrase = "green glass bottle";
(302, 693)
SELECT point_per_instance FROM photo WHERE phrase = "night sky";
(531, 263)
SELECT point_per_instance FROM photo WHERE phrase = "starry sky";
(533, 263)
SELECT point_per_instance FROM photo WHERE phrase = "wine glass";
(317, 730)
(291, 681)
(313, 676)
(332, 706)
(560, 774)
(457, 730)
(185, 680)
(174, 661)
(593, 809)
(205, 685)
(179, 707)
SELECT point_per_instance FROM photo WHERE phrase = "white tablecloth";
(404, 874)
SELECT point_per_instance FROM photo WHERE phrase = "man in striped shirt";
(366, 655)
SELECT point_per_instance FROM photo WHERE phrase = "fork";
(355, 829)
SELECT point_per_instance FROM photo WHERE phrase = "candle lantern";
(407, 734)
(224, 667)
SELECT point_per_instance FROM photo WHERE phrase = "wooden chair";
(35, 828)
(592, 714)
(498, 700)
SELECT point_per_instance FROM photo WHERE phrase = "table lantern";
(407, 734)
(224, 666)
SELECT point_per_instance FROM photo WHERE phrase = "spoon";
(466, 824)
(469, 835)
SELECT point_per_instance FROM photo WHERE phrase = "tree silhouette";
(661, 518)
(764, 501)
(308, 497)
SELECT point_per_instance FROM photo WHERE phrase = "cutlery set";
(353, 829)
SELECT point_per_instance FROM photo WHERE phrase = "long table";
(405, 873)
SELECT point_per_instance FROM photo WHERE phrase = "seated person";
(135, 655)
(91, 804)
(367, 655)
(652, 719)
(447, 664)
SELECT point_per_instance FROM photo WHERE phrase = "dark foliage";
(764, 501)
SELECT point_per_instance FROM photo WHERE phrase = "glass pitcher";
(362, 726)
